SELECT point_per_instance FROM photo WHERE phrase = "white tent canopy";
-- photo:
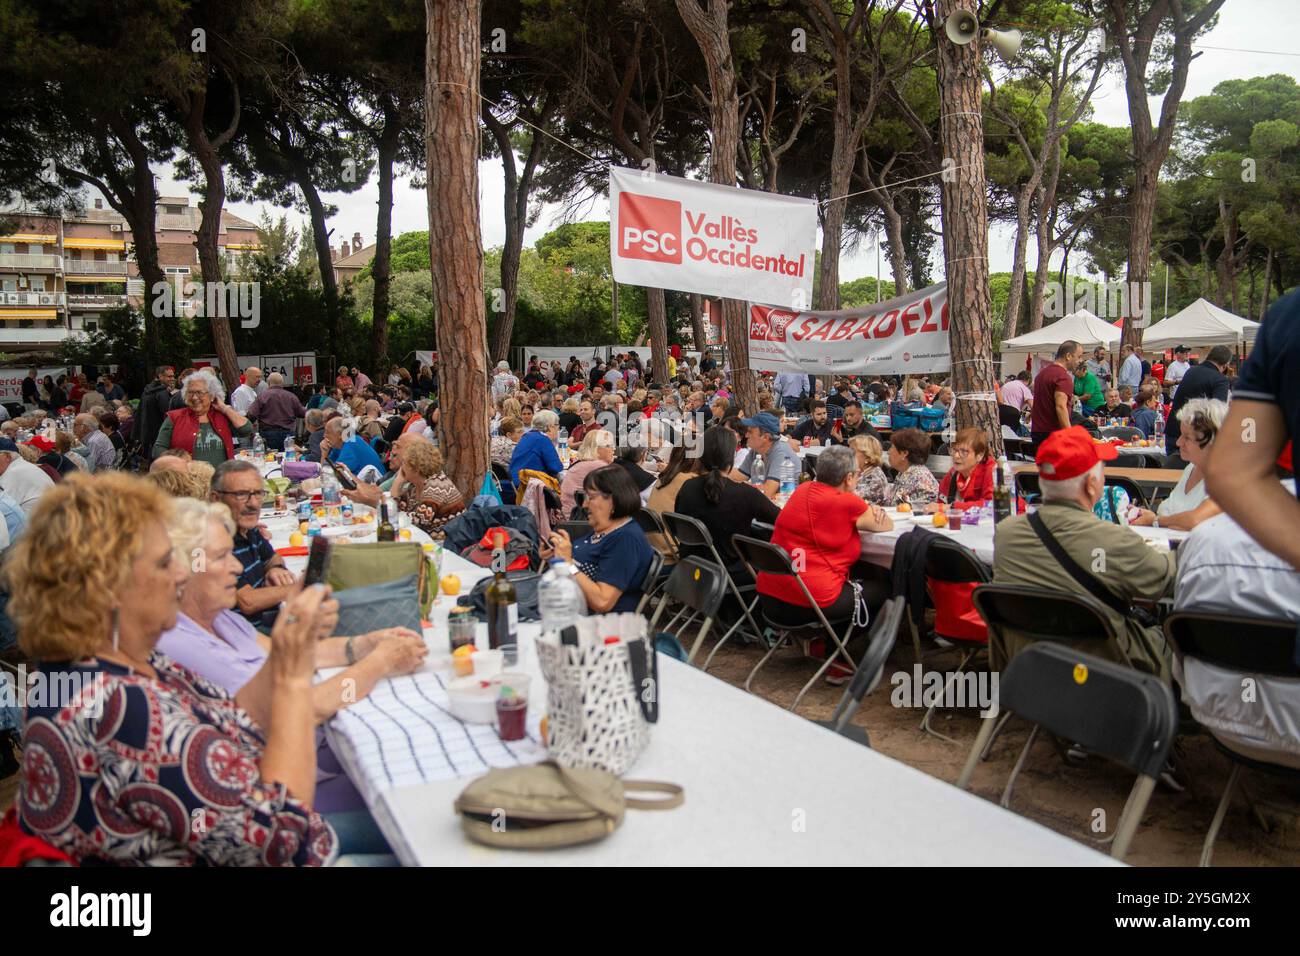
(1082, 326)
(1200, 324)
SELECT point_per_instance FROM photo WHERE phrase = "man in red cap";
(1066, 547)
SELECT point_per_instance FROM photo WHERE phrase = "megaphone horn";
(1006, 42)
(961, 27)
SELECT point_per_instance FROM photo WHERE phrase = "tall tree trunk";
(711, 34)
(455, 244)
(518, 186)
(698, 334)
(966, 231)
(320, 237)
(1268, 277)
(657, 312)
(897, 252)
(381, 266)
(1018, 266)
(206, 238)
(842, 152)
(1043, 240)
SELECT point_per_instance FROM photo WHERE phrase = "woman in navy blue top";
(613, 560)
(536, 450)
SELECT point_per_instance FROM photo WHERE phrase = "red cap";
(1070, 452)
(44, 444)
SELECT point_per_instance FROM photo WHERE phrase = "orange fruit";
(296, 540)
(450, 585)
(940, 519)
(903, 506)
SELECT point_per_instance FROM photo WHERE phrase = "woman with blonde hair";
(178, 484)
(423, 490)
(872, 486)
(1189, 503)
(596, 451)
(106, 783)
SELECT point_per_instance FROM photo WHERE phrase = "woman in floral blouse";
(909, 450)
(150, 764)
(424, 491)
(872, 486)
(509, 431)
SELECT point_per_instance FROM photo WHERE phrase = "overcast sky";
(1237, 48)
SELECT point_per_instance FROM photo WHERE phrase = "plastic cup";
(461, 630)
(512, 707)
(954, 520)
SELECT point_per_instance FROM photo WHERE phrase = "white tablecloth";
(762, 786)
(878, 547)
(1151, 451)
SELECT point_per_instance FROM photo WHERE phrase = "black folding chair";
(1131, 487)
(763, 556)
(1107, 708)
(881, 638)
(1250, 647)
(693, 537)
(1027, 484)
(650, 583)
(1078, 620)
(575, 529)
(947, 561)
(762, 530)
(699, 586)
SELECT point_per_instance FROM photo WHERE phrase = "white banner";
(297, 369)
(902, 335)
(671, 233)
(11, 380)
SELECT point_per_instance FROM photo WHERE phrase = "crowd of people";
(222, 652)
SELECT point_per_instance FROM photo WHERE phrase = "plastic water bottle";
(259, 446)
(559, 599)
(564, 447)
(789, 479)
(757, 470)
(313, 525)
(1160, 425)
(329, 489)
(290, 449)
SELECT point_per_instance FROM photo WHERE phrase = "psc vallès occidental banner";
(908, 333)
(672, 233)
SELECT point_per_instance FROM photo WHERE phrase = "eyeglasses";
(240, 496)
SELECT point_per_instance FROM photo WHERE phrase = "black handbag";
(525, 582)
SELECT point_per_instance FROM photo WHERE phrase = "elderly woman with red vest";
(206, 427)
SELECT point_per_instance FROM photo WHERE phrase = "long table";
(762, 785)
(1155, 477)
(878, 547)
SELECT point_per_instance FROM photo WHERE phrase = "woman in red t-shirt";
(819, 528)
(970, 482)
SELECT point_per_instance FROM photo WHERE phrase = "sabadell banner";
(671, 233)
(908, 333)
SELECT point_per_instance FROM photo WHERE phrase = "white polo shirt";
(25, 483)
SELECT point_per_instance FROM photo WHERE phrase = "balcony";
(29, 299)
(10, 336)
(90, 267)
(26, 261)
(79, 301)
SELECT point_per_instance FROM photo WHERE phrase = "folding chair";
(1250, 647)
(575, 529)
(884, 631)
(1038, 614)
(691, 534)
(763, 556)
(650, 582)
(699, 586)
(1027, 484)
(951, 563)
(1131, 487)
(1112, 710)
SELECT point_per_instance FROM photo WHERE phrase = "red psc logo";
(769, 325)
(649, 228)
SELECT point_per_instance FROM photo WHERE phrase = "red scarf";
(185, 429)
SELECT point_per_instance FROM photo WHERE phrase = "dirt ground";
(1051, 791)
(1056, 793)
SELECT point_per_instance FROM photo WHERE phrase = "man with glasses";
(265, 581)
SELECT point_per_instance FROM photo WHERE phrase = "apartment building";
(59, 274)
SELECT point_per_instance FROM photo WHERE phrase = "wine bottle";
(501, 602)
(1001, 497)
(386, 530)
